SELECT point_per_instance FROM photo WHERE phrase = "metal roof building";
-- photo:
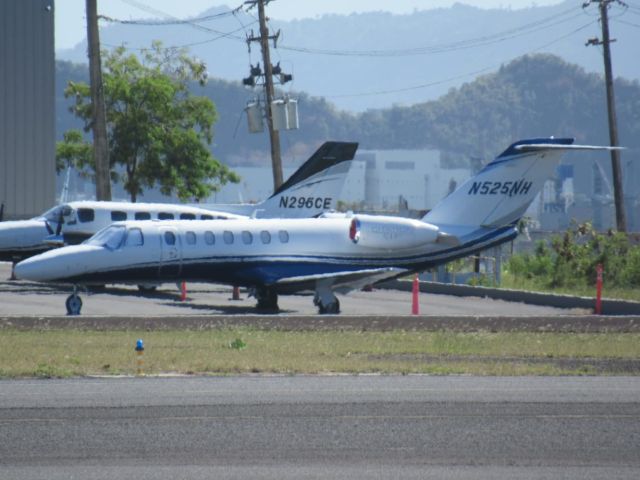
(27, 116)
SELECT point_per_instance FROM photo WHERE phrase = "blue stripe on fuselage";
(268, 269)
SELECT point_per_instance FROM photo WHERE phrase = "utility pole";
(603, 5)
(99, 117)
(274, 136)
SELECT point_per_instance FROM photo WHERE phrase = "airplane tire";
(267, 299)
(73, 304)
(331, 309)
(147, 288)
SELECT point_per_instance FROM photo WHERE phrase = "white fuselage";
(242, 252)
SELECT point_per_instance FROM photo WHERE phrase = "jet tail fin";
(502, 191)
(315, 186)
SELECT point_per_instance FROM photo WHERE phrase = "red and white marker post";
(599, 270)
(415, 293)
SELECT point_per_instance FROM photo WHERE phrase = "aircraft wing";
(342, 282)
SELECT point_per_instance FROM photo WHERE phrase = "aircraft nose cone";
(22, 233)
(33, 269)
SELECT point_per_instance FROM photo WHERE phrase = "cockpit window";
(53, 214)
(135, 238)
(142, 216)
(86, 215)
(110, 237)
(187, 216)
(165, 216)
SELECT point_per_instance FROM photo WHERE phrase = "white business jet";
(333, 253)
(311, 190)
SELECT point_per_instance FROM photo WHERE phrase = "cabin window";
(169, 238)
(227, 236)
(209, 238)
(134, 238)
(86, 215)
(165, 216)
(191, 238)
(187, 216)
(206, 217)
(118, 216)
(284, 236)
(142, 216)
(247, 238)
(265, 237)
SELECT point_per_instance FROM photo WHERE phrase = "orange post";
(415, 291)
(599, 270)
(236, 293)
(183, 291)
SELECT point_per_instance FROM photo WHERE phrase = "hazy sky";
(71, 27)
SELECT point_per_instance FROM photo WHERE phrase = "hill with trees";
(538, 95)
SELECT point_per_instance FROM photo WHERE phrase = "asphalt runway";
(29, 298)
(283, 427)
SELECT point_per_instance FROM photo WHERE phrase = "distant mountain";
(538, 95)
(450, 46)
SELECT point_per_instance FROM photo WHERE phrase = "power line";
(155, 23)
(617, 20)
(196, 26)
(187, 45)
(458, 77)
(458, 45)
(484, 40)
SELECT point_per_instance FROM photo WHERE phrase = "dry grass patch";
(62, 353)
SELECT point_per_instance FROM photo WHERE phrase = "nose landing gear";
(74, 303)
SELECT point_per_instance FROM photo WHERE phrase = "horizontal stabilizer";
(552, 146)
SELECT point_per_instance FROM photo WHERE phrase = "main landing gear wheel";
(332, 308)
(74, 304)
(267, 299)
(147, 288)
(325, 300)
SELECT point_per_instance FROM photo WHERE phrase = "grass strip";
(537, 284)
(64, 353)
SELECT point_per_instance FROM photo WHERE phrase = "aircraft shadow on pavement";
(20, 287)
(226, 309)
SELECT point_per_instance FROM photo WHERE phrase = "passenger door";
(171, 253)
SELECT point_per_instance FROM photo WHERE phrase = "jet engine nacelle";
(391, 232)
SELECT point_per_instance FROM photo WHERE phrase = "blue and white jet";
(329, 254)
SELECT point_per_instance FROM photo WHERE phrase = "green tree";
(73, 150)
(158, 132)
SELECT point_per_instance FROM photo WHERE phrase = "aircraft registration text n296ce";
(305, 202)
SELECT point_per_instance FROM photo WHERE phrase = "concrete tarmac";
(281, 427)
(28, 298)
